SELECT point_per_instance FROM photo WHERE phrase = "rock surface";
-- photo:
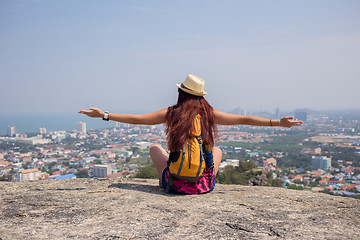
(139, 209)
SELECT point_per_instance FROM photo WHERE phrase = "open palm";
(93, 112)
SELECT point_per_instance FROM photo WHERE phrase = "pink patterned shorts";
(204, 185)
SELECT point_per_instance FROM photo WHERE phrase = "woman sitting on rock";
(191, 130)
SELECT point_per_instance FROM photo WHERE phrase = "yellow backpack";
(190, 162)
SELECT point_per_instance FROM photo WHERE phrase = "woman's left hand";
(288, 122)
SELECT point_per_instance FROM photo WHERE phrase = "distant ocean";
(31, 123)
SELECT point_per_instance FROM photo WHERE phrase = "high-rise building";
(81, 127)
(321, 162)
(42, 130)
(117, 124)
(11, 131)
(27, 175)
(101, 171)
(277, 113)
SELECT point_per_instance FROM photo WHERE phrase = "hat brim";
(192, 92)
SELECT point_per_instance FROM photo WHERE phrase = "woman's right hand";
(93, 112)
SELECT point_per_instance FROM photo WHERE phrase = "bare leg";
(159, 157)
(217, 155)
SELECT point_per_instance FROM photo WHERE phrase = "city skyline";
(32, 123)
(126, 56)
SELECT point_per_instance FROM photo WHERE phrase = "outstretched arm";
(146, 119)
(233, 119)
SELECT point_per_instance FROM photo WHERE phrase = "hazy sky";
(127, 56)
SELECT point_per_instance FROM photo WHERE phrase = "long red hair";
(180, 117)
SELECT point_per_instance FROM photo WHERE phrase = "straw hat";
(193, 85)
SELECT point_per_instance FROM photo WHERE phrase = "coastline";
(31, 123)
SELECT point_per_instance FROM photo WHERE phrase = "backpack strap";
(173, 157)
(201, 155)
(182, 160)
(208, 156)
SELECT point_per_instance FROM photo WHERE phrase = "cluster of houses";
(65, 163)
(344, 180)
(54, 161)
(337, 180)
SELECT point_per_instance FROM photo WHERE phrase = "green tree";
(135, 150)
(26, 165)
(147, 172)
(97, 161)
(238, 178)
(246, 166)
(82, 174)
(52, 164)
(277, 183)
(313, 184)
(5, 178)
(295, 187)
(238, 175)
